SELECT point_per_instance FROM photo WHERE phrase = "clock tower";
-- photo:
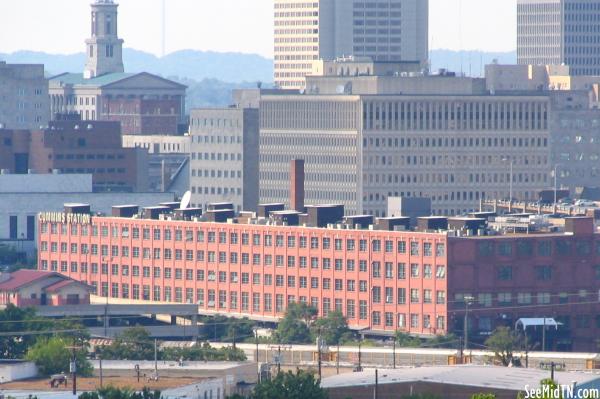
(104, 48)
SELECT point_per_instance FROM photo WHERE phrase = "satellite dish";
(185, 200)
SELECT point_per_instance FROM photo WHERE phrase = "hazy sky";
(61, 26)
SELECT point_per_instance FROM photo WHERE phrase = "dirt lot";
(90, 384)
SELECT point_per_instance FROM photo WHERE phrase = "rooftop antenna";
(185, 200)
(460, 22)
(164, 27)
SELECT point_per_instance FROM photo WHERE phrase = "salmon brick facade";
(382, 281)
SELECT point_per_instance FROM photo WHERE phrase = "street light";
(468, 302)
(510, 185)
(556, 183)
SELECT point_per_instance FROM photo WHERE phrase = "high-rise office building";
(556, 32)
(24, 100)
(383, 30)
(224, 157)
(441, 137)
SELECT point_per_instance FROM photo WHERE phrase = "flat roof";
(505, 378)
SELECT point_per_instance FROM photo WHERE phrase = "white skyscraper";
(383, 30)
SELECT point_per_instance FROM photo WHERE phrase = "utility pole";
(278, 359)
(156, 359)
(544, 336)
(337, 359)
(394, 351)
(376, 389)
(319, 352)
(468, 301)
(359, 356)
(74, 371)
(234, 337)
(73, 367)
(100, 359)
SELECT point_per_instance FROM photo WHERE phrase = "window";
(543, 273)
(440, 272)
(401, 247)
(401, 271)
(427, 249)
(389, 270)
(414, 295)
(505, 273)
(504, 298)
(414, 270)
(505, 249)
(440, 297)
(414, 248)
(376, 268)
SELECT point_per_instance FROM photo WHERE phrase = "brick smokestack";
(297, 185)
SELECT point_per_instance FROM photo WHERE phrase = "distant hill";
(211, 76)
(190, 64)
(473, 62)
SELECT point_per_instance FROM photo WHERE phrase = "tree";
(334, 328)
(111, 392)
(301, 385)
(503, 342)
(422, 396)
(407, 341)
(483, 396)
(22, 327)
(442, 341)
(133, 344)
(52, 356)
(203, 352)
(293, 328)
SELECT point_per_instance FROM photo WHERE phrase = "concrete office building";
(557, 32)
(24, 100)
(574, 117)
(224, 157)
(168, 161)
(384, 30)
(382, 280)
(143, 103)
(444, 137)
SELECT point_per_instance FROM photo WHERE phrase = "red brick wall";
(262, 269)
(476, 264)
(143, 116)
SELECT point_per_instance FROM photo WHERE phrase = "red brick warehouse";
(382, 280)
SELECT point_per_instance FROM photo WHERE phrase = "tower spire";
(104, 48)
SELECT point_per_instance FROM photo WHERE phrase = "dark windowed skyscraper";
(557, 32)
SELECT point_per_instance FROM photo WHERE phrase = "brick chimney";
(297, 185)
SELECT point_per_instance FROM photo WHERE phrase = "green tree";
(422, 396)
(111, 392)
(302, 385)
(483, 396)
(407, 341)
(448, 341)
(133, 344)
(334, 328)
(203, 352)
(52, 356)
(552, 389)
(14, 321)
(294, 327)
(503, 342)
